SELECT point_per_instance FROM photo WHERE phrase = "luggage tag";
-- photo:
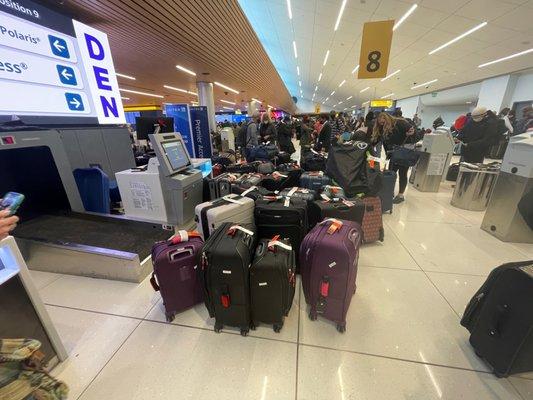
(336, 224)
(251, 189)
(325, 197)
(232, 200)
(347, 203)
(276, 175)
(292, 191)
(287, 202)
(183, 236)
(232, 230)
(276, 242)
(316, 173)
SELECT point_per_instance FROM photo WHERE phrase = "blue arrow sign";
(59, 46)
(66, 75)
(74, 102)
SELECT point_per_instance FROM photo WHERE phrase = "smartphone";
(11, 201)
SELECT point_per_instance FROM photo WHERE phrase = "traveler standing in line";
(324, 135)
(393, 131)
(285, 136)
(338, 127)
(478, 135)
(306, 133)
(267, 130)
(506, 114)
(252, 131)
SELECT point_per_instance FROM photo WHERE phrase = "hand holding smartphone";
(9, 205)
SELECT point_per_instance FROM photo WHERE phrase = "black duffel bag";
(347, 166)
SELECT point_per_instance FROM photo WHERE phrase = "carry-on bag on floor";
(375, 181)
(221, 185)
(246, 181)
(347, 166)
(253, 192)
(282, 158)
(349, 210)
(283, 216)
(231, 208)
(175, 272)
(500, 319)
(386, 193)
(314, 180)
(281, 180)
(333, 192)
(372, 220)
(272, 282)
(224, 158)
(265, 167)
(330, 253)
(242, 168)
(287, 167)
(313, 161)
(453, 172)
(225, 263)
(299, 193)
(264, 152)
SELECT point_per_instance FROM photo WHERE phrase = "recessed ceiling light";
(506, 58)
(300, 83)
(289, 9)
(227, 108)
(294, 49)
(125, 76)
(316, 88)
(341, 11)
(405, 16)
(327, 98)
(298, 70)
(175, 88)
(142, 93)
(319, 77)
(124, 98)
(226, 87)
(366, 102)
(188, 71)
(325, 58)
(388, 95)
(424, 84)
(348, 98)
(332, 93)
(364, 90)
(354, 106)
(468, 102)
(254, 99)
(355, 69)
(462, 35)
(227, 101)
(340, 102)
(391, 75)
(342, 83)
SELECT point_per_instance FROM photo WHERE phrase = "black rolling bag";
(500, 319)
(349, 210)
(226, 257)
(283, 216)
(220, 185)
(272, 282)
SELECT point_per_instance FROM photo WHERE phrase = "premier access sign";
(51, 65)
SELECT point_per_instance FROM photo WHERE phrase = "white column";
(252, 107)
(496, 93)
(206, 98)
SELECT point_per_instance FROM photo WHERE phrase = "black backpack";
(240, 141)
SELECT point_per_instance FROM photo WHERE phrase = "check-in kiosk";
(503, 218)
(168, 189)
(435, 157)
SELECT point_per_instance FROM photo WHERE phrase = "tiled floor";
(403, 338)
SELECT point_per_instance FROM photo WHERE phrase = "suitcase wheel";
(170, 316)
(277, 328)
(244, 331)
(312, 316)
(254, 325)
(381, 235)
(341, 328)
(218, 327)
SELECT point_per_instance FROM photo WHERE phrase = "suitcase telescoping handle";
(173, 255)
(234, 228)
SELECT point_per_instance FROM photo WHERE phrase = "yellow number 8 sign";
(375, 49)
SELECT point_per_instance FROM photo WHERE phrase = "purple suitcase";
(175, 267)
(328, 264)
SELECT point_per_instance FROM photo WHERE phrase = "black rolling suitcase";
(254, 192)
(226, 257)
(281, 180)
(272, 282)
(386, 193)
(349, 210)
(282, 216)
(221, 185)
(453, 172)
(500, 319)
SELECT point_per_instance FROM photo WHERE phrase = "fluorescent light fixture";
(226, 87)
(254, 99)
(325, 58)
(294, 48)
(319, 77)
(142, 93)
(424, 84)
(298, 70)
(364, 90)
(228, 102)
(269, 106)
(462, 35)
(124, 98)
(300, 83)
(391, 75)
(354, 106)
(366, 102)
(289, 9)
(355, 69)
(468, 102)
(345, 108)
(125, 76)
(340, 102)
(341, 11)
(342, 83)
(348, 98)
(327, 98)
(405, 16)
(386, 96)
(175, 88)
(316, 88)
(332, 93)
(227, 108)
(193, 93)
(188, 71)
(506, 58)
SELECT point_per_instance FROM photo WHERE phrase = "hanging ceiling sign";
(375, 49)
(381, 103)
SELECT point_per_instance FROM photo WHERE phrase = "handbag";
(403, 156)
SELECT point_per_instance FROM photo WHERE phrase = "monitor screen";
(176, 154)
(146, 125)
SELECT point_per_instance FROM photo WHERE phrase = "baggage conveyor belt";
(95, 245)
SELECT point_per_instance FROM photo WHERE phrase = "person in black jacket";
(478, 135)
(324, 136)
(285, 136)
(267, 130)
(393, 131)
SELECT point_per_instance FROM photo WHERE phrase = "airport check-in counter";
(55, 233)
(503, 218)
(435, 157)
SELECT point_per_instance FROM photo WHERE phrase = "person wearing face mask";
(478, 135)
(267, 130)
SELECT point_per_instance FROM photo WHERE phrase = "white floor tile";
(396, 313)
(453, 248)
(525, 248)
(43, 279)
(102, 295)
(457, 289)
(199, 317)
(524, 387)
(475, 218)
(389, 253)
(171, 362)
(332, 375)
(91, 340)
(421, 209)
